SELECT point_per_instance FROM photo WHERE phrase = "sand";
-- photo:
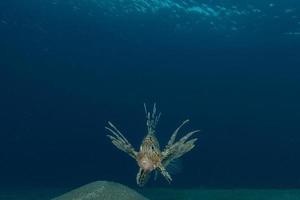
(99, 190)
(223, 194)
(34, 193)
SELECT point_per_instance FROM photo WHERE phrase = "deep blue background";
(64, 74)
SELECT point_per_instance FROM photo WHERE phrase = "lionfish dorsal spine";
(151, 119)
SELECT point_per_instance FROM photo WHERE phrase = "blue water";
(232, 68)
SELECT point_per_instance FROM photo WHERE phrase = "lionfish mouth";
(146, 164)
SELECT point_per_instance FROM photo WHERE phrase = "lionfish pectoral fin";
(165, 173)
(173, 136)
(142, 177)
(175, 150)
(174, 166)
(119, 140)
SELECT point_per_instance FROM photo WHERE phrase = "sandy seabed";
(223, 194)
(164, 194)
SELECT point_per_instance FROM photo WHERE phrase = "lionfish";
(149, 157)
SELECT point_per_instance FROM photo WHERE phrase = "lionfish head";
(145, 163)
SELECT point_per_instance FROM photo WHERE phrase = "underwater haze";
(67, 67)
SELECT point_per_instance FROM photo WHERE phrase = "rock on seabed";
(102, 190)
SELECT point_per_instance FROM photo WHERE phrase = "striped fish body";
(149, 151)
(148, 158)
